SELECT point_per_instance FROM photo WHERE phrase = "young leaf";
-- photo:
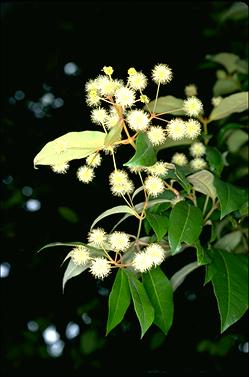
(229, 275)
(160, 293)
(203, 181)
(71, 146)
(114, 134)
(143, 308)
(235, 103)
(178, 278)
(169, 104)
(119, 300)
(215, 160)
(185, 224)
(159, 223)
(230, 197)
(112, 211)
(145, 154)
(73, 270)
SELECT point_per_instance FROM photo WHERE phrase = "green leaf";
(229, 276)
(114, 134)
(215, 160)
(226, 59)
(68, 214)
(71, 146)
(168, 104)
(238, 11)
(203, 181)
(53, 244)
(235, 103)
(112, 211)
(202, 257)
(73, 270)
(178, 278)
(119, 300)
(169, 143)
(236, 139)
(159, 223)
(185, 225)
(143, 308)
(230, 241)
(145, 154)
(225, 132)
(160, 293)
(226, 86)
(230, 197)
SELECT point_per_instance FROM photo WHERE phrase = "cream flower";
(142, 262)
(100, 268)
(137, 81)
(120, 183)
(192, 106)
(158, 169)
(60, 168)
(91, 85)
(125, 96)
(154, 185)
(80, 255)
(156, 253)
(119, 241)
(138, 120)
(197, 149)
(107, 86)
(216, 101)
(161, 74)
(85, 174)
(108, 70)
(92, 98)
(112, 118)
(193, 128)
(144, 99)
(98, 116)
(176, 129)
(190, 90)
(94, 160)
(198, 163)
(179, 159)
(97, 236)
(156, 135)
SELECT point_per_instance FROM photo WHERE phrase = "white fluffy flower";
(98, 116)
(176, 129)
(156, 135)
(156, 253)
(159, 169)
(97, 236)
(138, 120)
(60, 168)
(197, 149)
(94, 160)
(190, 90)
(198, 163)
(137, 81)
(154, 185)
(192, 106)
(107, 86)
(142, 262)
(125, 96)
(120, 183)
(80, 255)
(85, 174)
(100, 268)
(193, 128)
(216, 101)
(119, 241)
(161, 74)
(179, 159)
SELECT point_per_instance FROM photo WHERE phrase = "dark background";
(38, 39)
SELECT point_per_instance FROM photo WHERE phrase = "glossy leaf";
(113, 211)
(119, 300)
(73, 270)
(169, 143)
(71, 146)
(142, 305)
(178, 278)
(235, 103)
(145, 154)
(203, 181)
(215, 160)
(185, 225)
(229, 276)
(230, 197)
(169, 104)
(202, 257)
(160, 293)
(159, 223)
